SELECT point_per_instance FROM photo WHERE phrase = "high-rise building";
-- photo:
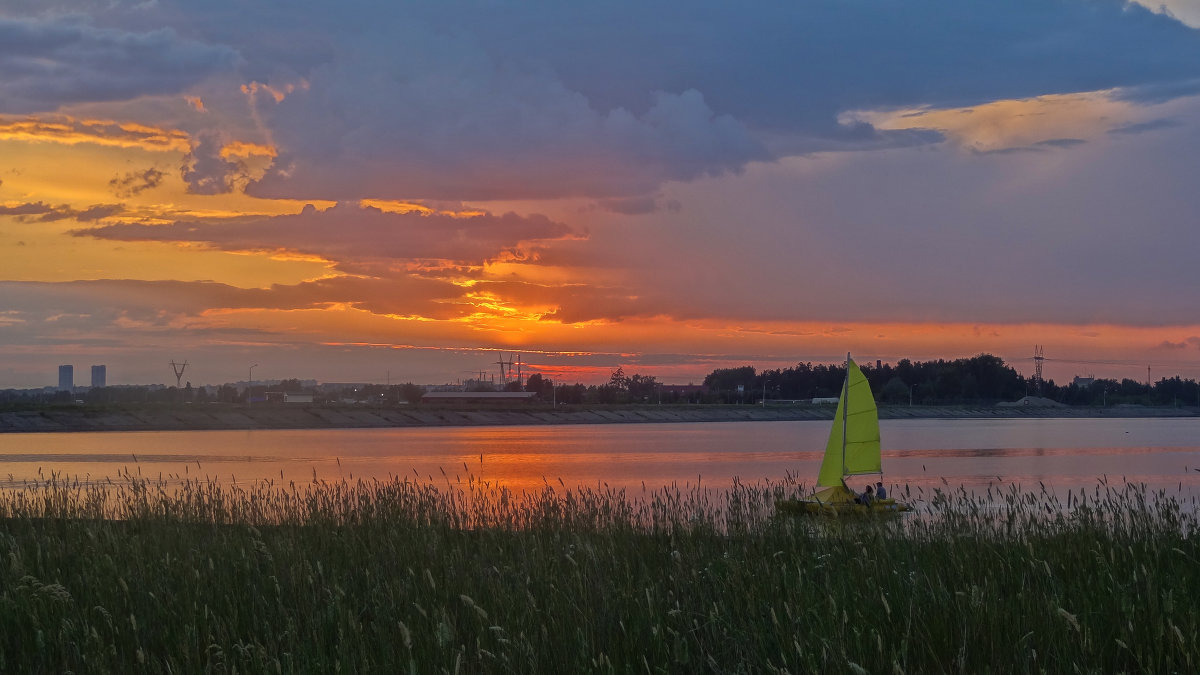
(66, 378)
(99, 376)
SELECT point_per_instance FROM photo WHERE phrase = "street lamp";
(250, 385)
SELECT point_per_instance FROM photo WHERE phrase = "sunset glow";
(337, 203)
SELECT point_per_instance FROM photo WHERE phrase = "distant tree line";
(979, 380)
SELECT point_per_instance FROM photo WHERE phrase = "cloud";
(135, 182)
(477, 141)
(350, 234)
(1061, 142)
(1185, 11)
(45, 213)
(628, 96)
(459, 99)
(206, 171)
(1190, 342)
(636, 206)
(166, 303)
(47, 63)
(1143, 127)
(71, 131)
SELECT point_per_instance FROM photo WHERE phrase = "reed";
(140, 575)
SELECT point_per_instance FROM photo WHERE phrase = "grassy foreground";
(408, 577)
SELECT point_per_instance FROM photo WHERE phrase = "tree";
(411, 392)
(618, 379)
(291, 385)
(895, 391)
(642, 387)
(570, 393)
(541, 386)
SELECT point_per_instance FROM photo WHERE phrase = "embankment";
(201, 417)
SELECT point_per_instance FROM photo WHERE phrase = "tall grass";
(409, 576)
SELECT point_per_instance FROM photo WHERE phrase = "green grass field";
(140, 576)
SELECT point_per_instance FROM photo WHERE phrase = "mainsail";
(853, 446)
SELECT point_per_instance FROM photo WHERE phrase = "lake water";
(1062, 454)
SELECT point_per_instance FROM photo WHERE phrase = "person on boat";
(867, 497)
(880, 491)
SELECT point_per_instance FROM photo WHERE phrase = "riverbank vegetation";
(401, 576)
(980, 380)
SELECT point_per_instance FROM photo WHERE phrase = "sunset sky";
(406, 191)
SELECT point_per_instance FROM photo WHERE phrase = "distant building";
(99, 376)
(1082, 382)
(66, 378)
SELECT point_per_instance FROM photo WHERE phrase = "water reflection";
(920, 454)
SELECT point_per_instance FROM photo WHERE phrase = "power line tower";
(1038, 357)
(178, 369)
(503, 373)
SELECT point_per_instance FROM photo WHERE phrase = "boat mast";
(845, 405)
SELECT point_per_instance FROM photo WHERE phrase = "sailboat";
(853, 449)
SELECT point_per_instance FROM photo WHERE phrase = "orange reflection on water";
(921, 455)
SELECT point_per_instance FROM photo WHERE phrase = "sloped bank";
(186, 418)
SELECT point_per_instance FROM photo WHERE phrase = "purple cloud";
(46, 63)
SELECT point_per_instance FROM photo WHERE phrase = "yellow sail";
(857, 422)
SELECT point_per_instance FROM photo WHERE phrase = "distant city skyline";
(339, 191)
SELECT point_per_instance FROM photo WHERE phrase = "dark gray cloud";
(135, 182)
(205, 171)
(49, 63)
(45, 213)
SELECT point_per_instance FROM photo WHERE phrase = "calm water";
(1062, 454)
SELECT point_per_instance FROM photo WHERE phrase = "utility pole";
(178, 369)
(250, 384)
(1038, 358)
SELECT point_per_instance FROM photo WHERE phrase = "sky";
(391, 192)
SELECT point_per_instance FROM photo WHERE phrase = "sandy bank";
(320, 417)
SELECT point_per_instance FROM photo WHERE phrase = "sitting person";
(880, 491)
(867, 497)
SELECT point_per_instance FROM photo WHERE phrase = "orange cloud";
(276, 93)
(70, 131)
(1040, 122)
(244, 150)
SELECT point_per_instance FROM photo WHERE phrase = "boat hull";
(806, 507)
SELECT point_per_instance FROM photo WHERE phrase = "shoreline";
(203, 418)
